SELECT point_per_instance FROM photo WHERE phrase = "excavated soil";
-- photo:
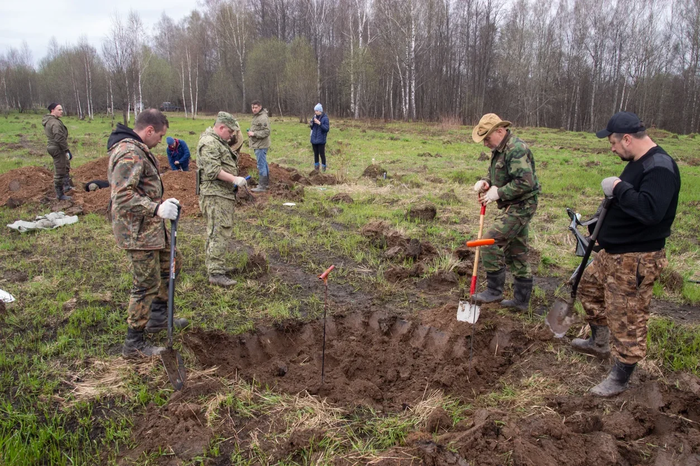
(387, 363)
(35, 185)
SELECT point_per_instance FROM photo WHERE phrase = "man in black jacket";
(616, 288)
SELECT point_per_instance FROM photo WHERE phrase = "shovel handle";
(480, 242)
(324, 275)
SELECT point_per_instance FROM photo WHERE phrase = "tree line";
(567, 64)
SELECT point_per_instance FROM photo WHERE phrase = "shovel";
(172, 360)
(468, 311)
(561, 316)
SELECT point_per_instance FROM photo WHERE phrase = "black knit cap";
(52, 106)
(622, 123)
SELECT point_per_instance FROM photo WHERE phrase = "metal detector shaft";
(324, 277)
(591, 244)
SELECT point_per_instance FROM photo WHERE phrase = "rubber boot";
(221, 280)
(494, 287)
(263, 185)
(158, 319)
(67, 186)
(136, 346)
(59, 194)
(522, 290)
(617, 380)
(323, 168)
(316, 166)
(598, 344)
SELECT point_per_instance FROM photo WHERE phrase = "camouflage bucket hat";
(487, 125)
(228, 120)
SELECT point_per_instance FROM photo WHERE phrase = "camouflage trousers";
(615, 291)
(61, 166)
(510, 230)
(219, 213)
(151, 273)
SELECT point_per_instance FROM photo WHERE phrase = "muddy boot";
(67, 186)
(59, 194)
(598, 344)
(522, 290)
(316, 166)
(494, 287)
(158, 319)
(323, 168)
(136, 346)
(263, 185)
(617, 380)
(221, 280)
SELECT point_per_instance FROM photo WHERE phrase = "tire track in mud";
(374, 359)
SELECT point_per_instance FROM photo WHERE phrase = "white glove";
(490, 195)
(608, 185)
(239, 181)
(480, 186)
(69, 156)
(168, 209)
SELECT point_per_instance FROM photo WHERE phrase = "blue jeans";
(261, 156)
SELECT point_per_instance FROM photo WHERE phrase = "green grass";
(46, 347)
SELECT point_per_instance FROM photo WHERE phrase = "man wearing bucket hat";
(178, 154)
(616, 289)
(218, 178)
(511, 182)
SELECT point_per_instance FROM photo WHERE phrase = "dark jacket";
(56, 133)
(319, 132)
(644, 205)
(181, 153)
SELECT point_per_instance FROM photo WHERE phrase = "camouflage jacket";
(213, 155)
(512, 170)
(137, 191)
(261, 127)
(56, 132)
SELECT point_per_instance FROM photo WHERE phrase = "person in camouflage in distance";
(138, 216)
(512, 183)
(217, 164)
(57, 147)
(617, 287)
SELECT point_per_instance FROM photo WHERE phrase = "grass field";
(67, 397)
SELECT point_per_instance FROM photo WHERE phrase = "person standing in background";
(320, 125)
(57, 147)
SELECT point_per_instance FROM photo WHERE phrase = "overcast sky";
(36, 21)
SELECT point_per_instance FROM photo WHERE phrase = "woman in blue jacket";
(178, 154)
(319, 129)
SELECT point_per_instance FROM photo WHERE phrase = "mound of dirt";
(422, 211)
(374, 171)
(318, 178)
(342, 197)
(26, 184)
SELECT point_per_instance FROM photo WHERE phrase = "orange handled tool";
(480, 242)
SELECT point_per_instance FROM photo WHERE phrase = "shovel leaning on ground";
(172, 360)
(561, 316)
(468, 311)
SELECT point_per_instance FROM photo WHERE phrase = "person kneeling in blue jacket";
(320, 126)
(178, 154)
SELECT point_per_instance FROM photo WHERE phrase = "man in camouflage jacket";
(217, 164)
(57, 147)
(512, 183)
(138, 215)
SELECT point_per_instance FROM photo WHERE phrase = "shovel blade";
(175, 367)
(468, 312)
(560, 317)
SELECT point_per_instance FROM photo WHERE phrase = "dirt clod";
(422, 211)
(374, 171)
(342, 197)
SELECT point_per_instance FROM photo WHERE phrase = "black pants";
(319, 150)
